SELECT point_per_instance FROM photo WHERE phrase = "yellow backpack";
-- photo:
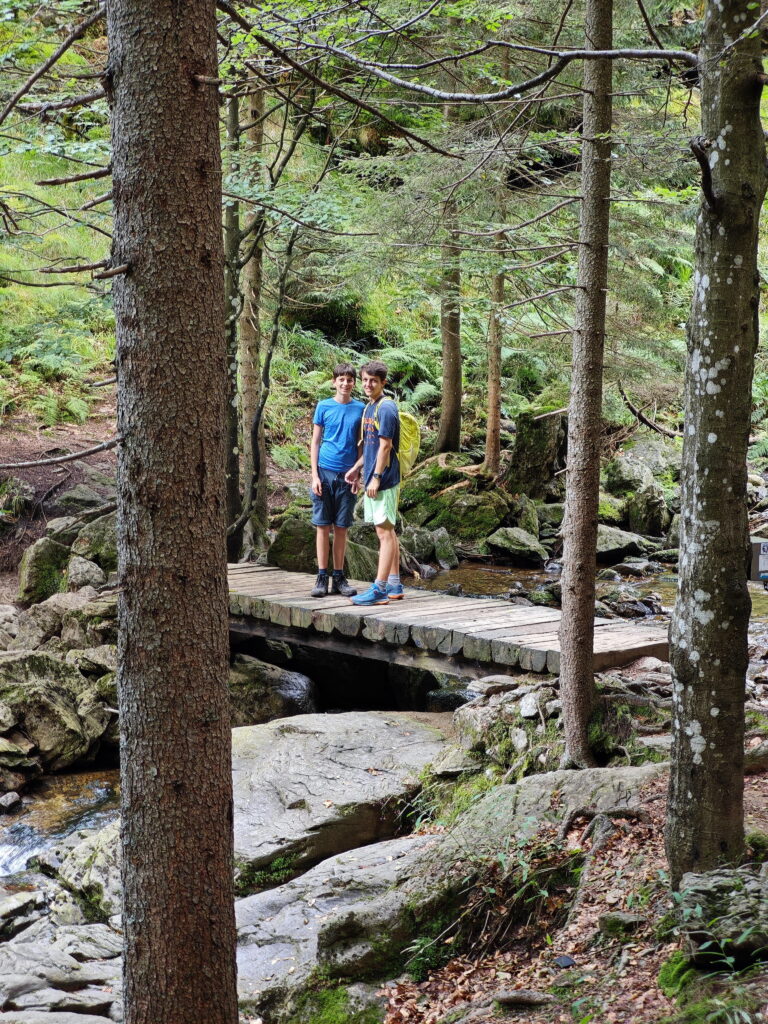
(410, 437)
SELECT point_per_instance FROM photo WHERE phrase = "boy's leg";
(339, 547)
(323, 545)
(389, 551)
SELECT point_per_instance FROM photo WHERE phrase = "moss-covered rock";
(445, 553)
(626, 474)
(524, 513)
(42, 570)
(80, 497)
(647, 512)
(418, 489)
(519, 546)
(610, 510)
(470, 517)
(539, 452)
(613, 545)
(293, 549)
(362, 562)
(259, 692)
(550, 515)
(419, 541)
(97, 541)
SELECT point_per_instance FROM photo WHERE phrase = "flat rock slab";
(312, 786)
(331, 917)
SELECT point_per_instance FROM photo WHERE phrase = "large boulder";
(470, 517)
(419, 541)
(97, 542)
(82, 572)
(92, 623)
(45, 620)
(260, 692)
(524, 513)
(293, 548)
(417, 491)
(91, 868)
(42, 570)
(663, 456)
(614, 545)
(79, 498)
(353, 915)
(314, 785)
(518, 546)
(627, 474)
(726, 911)
(38, 698)
(647, 512)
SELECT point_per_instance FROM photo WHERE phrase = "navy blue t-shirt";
(385, 411)
(341, 433)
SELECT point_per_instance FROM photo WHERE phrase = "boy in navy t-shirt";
(333, 452)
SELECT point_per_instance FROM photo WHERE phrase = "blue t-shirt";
(341, 432)
(385, 411)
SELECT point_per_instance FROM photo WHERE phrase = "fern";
(290, 456)
(423, 394)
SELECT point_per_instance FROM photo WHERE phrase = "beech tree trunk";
(493, 425)
(250, 326)
(449, 430)
(709, 627)
(577, 681)
(178, 910)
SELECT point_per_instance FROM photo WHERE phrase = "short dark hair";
(375, 369)
(344, 370)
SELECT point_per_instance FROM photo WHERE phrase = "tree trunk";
(178, 911)
(250, 326)
(709, 626)
(232, 313)
(493, 427)
(577, 682)
(449, 431)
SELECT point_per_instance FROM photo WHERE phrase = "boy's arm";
(382, 461)
(314, 454)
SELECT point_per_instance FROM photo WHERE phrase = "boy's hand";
(317, 486)
(352, 477)
(373, 487)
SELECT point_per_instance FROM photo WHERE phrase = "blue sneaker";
(370, 597)
(395, 591)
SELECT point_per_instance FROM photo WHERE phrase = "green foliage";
(250, 879)
(290, 456)
(328, 1005)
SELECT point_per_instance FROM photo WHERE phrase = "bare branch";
(103, 447)
(102, 172)
(642, 418)
(112, 272)
(76, 34)
(95, 202)
(75, 269)
(76, 101)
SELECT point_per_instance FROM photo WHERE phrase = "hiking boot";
(320, 588)
(370, 597)
(395, 591)
(340, 585)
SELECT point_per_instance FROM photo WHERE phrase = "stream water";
(60, 805)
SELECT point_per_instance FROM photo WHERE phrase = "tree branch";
(76, 101)
(76, 34)
(103, 447)
(102, 172)
(642, 418)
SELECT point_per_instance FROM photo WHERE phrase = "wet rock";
(97, 542)
(9, 801)
(727, 907)
(81, 572)
(41, 572)
(445, 553)
(92, 868)
(260, 692)
(671, 556)
(624, 569)
(518, 546)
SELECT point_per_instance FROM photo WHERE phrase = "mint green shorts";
(383, 508)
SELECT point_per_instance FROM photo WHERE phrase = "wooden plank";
(459, 636)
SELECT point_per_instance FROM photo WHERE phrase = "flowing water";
(58, 806)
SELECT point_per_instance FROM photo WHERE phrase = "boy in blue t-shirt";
(333, 451)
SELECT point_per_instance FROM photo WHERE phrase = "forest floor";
(612, 980)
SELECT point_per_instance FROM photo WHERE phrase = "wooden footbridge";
(425, 629)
